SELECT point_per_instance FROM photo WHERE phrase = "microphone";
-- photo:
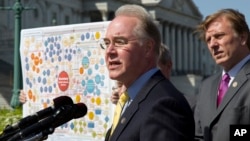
(25, 122)
(62, 115)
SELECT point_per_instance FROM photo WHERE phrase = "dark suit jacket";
(214, 123)
(158, 113)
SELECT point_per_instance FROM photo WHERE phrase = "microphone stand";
(7, 133)
(43, 135)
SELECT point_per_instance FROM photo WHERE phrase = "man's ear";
(244, 37)
(149, 45)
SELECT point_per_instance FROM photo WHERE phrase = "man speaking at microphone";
(154, 109)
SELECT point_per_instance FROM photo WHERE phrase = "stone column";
(173, 45)
(179, 49)
(167, 36)
(197, 53)
(104, 15)
(185, 57)
(191, 51)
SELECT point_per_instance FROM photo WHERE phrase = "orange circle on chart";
(36, 60)
(63, 81)
(30, 95)
(81, 70)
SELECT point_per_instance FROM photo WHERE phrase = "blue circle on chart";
(44, 81)
(90, 86)
(47, 49)
(98, 92)
(41, 89)
(102, 83)
(106, 118)
(103, 77)
(45, 89)
(69, 57)
(57, 52)
(90, 71)
(30, 84)
(27, 80)
(27, 67)
(85, 93)
(87, 35)
(48, 72)
(102, 61)
(89, 53)
(96, 66)
(72, 126)
(39, 79)
(50, 89)
(79, 51)
(98, 79)
(44, 72)
(58, 46)
(59, 58)
(82, 37)
(26, 59)
(83, 83)
(85, 62)
(52, 39)
(46, 43)
(50, 54)
(51, 47)
(48, 40)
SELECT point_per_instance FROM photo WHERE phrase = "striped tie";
(223, 88)
(119, 106)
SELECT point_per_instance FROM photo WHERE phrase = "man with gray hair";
(151, 108)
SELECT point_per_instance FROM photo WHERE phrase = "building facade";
(177, 20)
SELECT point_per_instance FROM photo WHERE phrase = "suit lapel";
(215, 92)
(237, 83)
(133, 107)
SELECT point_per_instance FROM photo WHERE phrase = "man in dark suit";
(155, 110)
(227, 36)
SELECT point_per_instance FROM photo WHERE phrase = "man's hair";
(164, 55)
(236, 19)
(147, 28)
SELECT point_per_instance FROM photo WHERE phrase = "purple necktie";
(223, 88)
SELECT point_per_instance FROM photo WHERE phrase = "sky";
(207, 7)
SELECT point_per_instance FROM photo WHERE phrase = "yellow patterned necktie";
(118, 110)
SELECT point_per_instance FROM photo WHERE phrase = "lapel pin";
(235, 84)
(123, 120)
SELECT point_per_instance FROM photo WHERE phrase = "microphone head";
(62, 100)
(80, 110)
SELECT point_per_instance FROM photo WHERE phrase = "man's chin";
(113, 77)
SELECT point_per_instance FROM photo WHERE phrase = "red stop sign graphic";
(63, 81)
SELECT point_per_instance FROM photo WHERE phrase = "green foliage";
(9, 117)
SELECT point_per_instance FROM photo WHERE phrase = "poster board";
(67, 60)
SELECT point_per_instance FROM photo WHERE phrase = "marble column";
(179, 49)
(191, 52)
(173, 46)
(185, 48)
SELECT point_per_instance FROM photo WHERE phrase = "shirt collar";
(237, 67)
(234, 71)
(138, 84)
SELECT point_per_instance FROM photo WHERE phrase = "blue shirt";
(137, 86)
(234, 71)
